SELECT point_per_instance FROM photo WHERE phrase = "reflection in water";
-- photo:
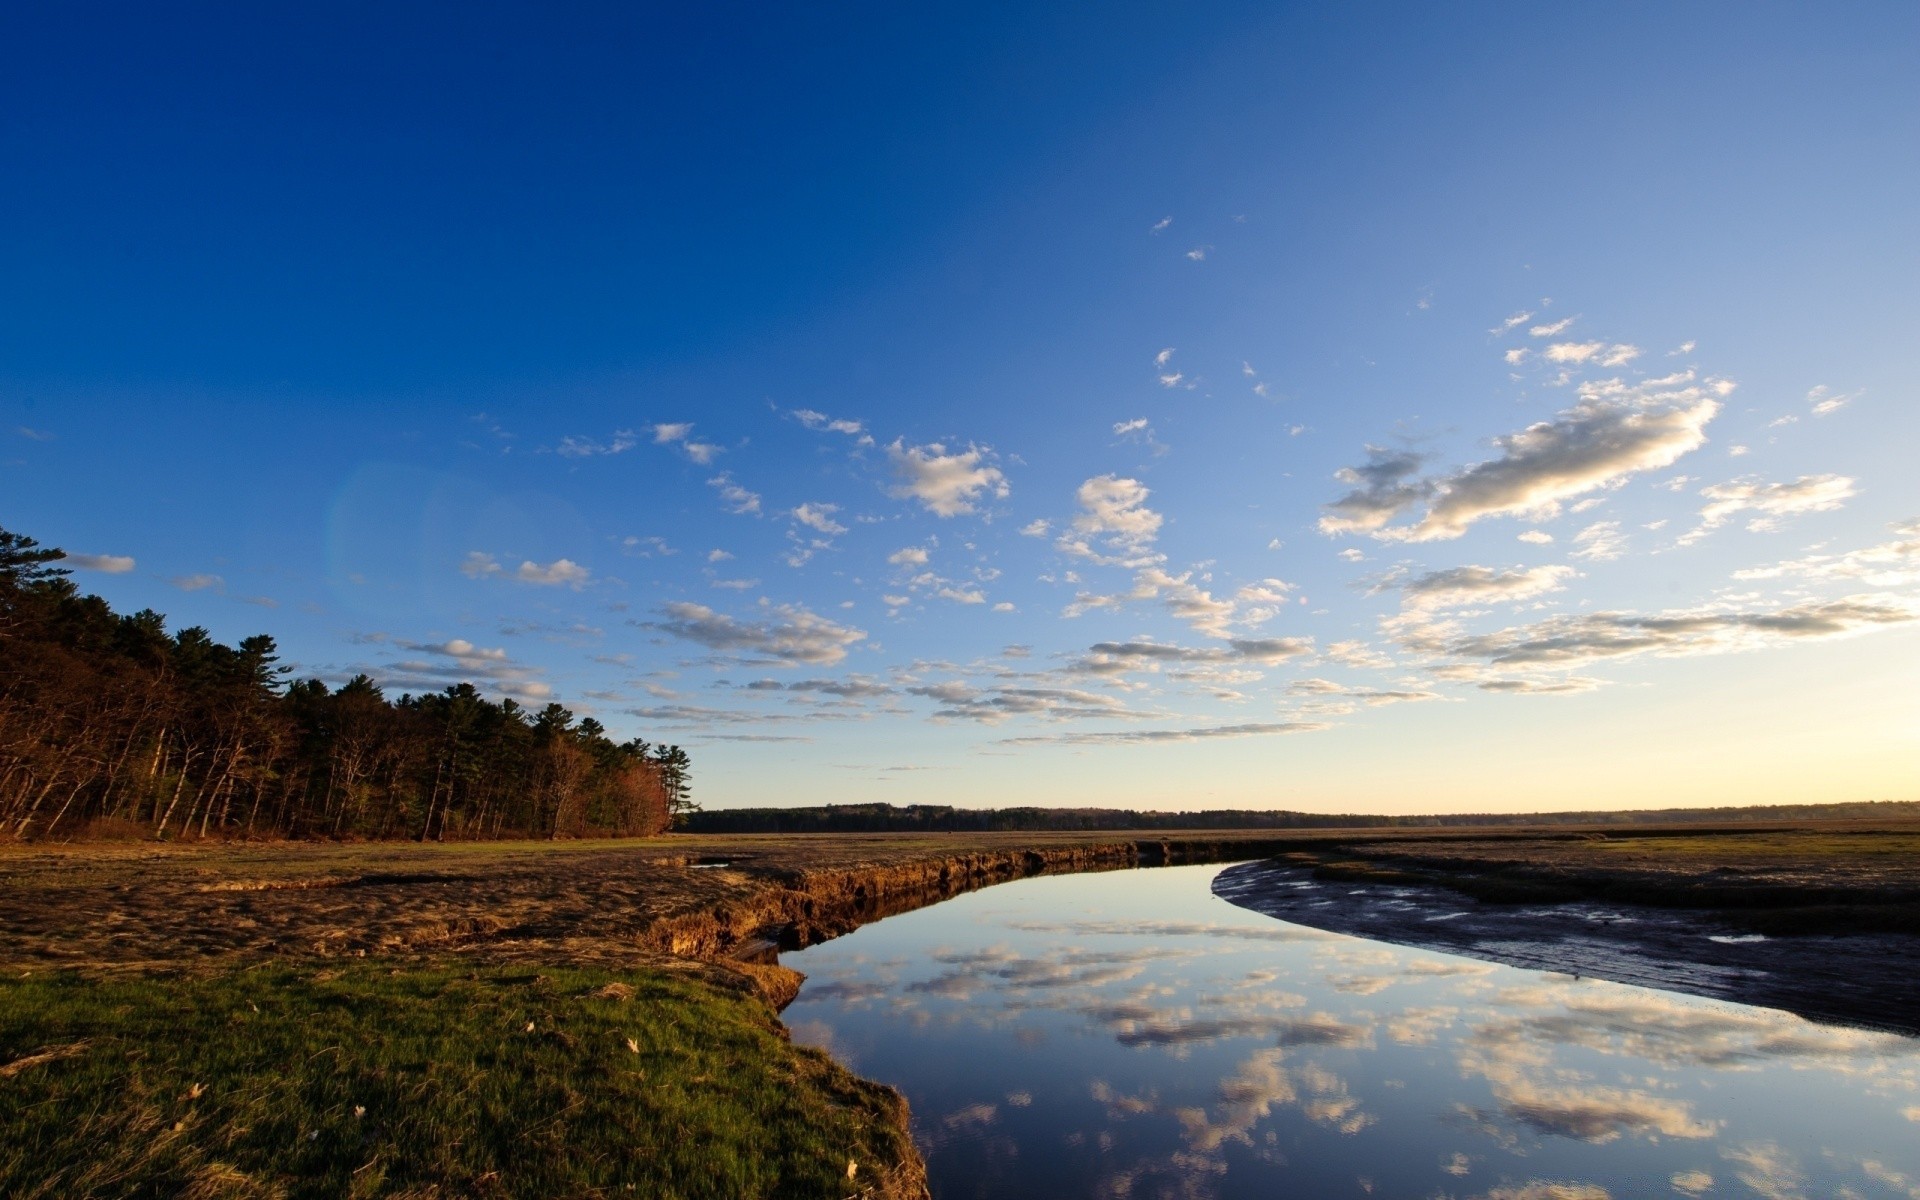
(1131, 1035)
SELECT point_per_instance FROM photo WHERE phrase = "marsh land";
(595, 1017)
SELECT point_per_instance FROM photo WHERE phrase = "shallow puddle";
(1129, 1034)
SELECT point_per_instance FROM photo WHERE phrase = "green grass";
(440, 1080)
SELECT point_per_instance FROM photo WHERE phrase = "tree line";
(111, 725)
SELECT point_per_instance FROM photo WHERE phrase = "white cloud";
(1161, 225)
(962, 595)
(622, 441)
(821, 421)
(1177, 593)
(911, 556)
(1171, 379)
(1616, 430)
(560, 572)
(647, 547)
(1772, 501)
(714, 556)
(1544, 331)
(110, 564)
(1516, 356)
(681, 432)
(1036, 528)
(1601, 541)
(1459, 586)
(198, 583)
(1161, 359)
(1536, 537)
(460, 661)
(819, 516)
(946, 484)
(1199, 253)
(738, 500)
(1575, 640)
(1141, 737)
(792, 635)
(1003, 606)
(1826, 401)
(1511, 323)
(1599, 353)
(479, 566)
(1890, 564)
(1122, 428)
(1117, 508)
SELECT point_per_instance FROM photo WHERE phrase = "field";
(598, 1018)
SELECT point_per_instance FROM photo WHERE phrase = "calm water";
(1131, 1035)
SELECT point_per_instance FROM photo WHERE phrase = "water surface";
(1129, 1034)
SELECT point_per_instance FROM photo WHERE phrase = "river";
(1129, 1034)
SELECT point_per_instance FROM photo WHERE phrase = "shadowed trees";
(108, 723)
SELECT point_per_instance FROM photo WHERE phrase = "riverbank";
(517, 1019)
(1823, 921)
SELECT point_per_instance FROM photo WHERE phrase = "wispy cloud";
(109, 564)
(1771, 501)
(1142, 737)
(790, 635)
(738, 500)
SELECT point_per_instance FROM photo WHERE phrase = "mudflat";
(1821, 919)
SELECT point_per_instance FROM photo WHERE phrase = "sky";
(1360, 408)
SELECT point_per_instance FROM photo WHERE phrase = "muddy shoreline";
(1867, 979)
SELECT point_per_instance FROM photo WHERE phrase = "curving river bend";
(1129, 1034)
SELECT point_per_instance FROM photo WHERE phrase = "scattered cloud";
(198, 583)
(1889, 564)
(737, 499)
(561, 572)
(622, 441)
(1826, 401)
(110, 564)
(1575, 640)
(910, 556)
(789, 636)
(1771, 501)
(1472, 585)
(821, 421)
(1598, 353)
(1601, 541)
(1546, 331)
(947, 485)
(682, 434)
(1139, 737)
(819, 516)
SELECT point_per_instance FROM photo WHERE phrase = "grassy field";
(299, 1080)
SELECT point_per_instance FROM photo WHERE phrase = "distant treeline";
(110, 725)
(933, 818)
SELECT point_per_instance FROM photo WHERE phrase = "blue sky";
(1382, 408)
